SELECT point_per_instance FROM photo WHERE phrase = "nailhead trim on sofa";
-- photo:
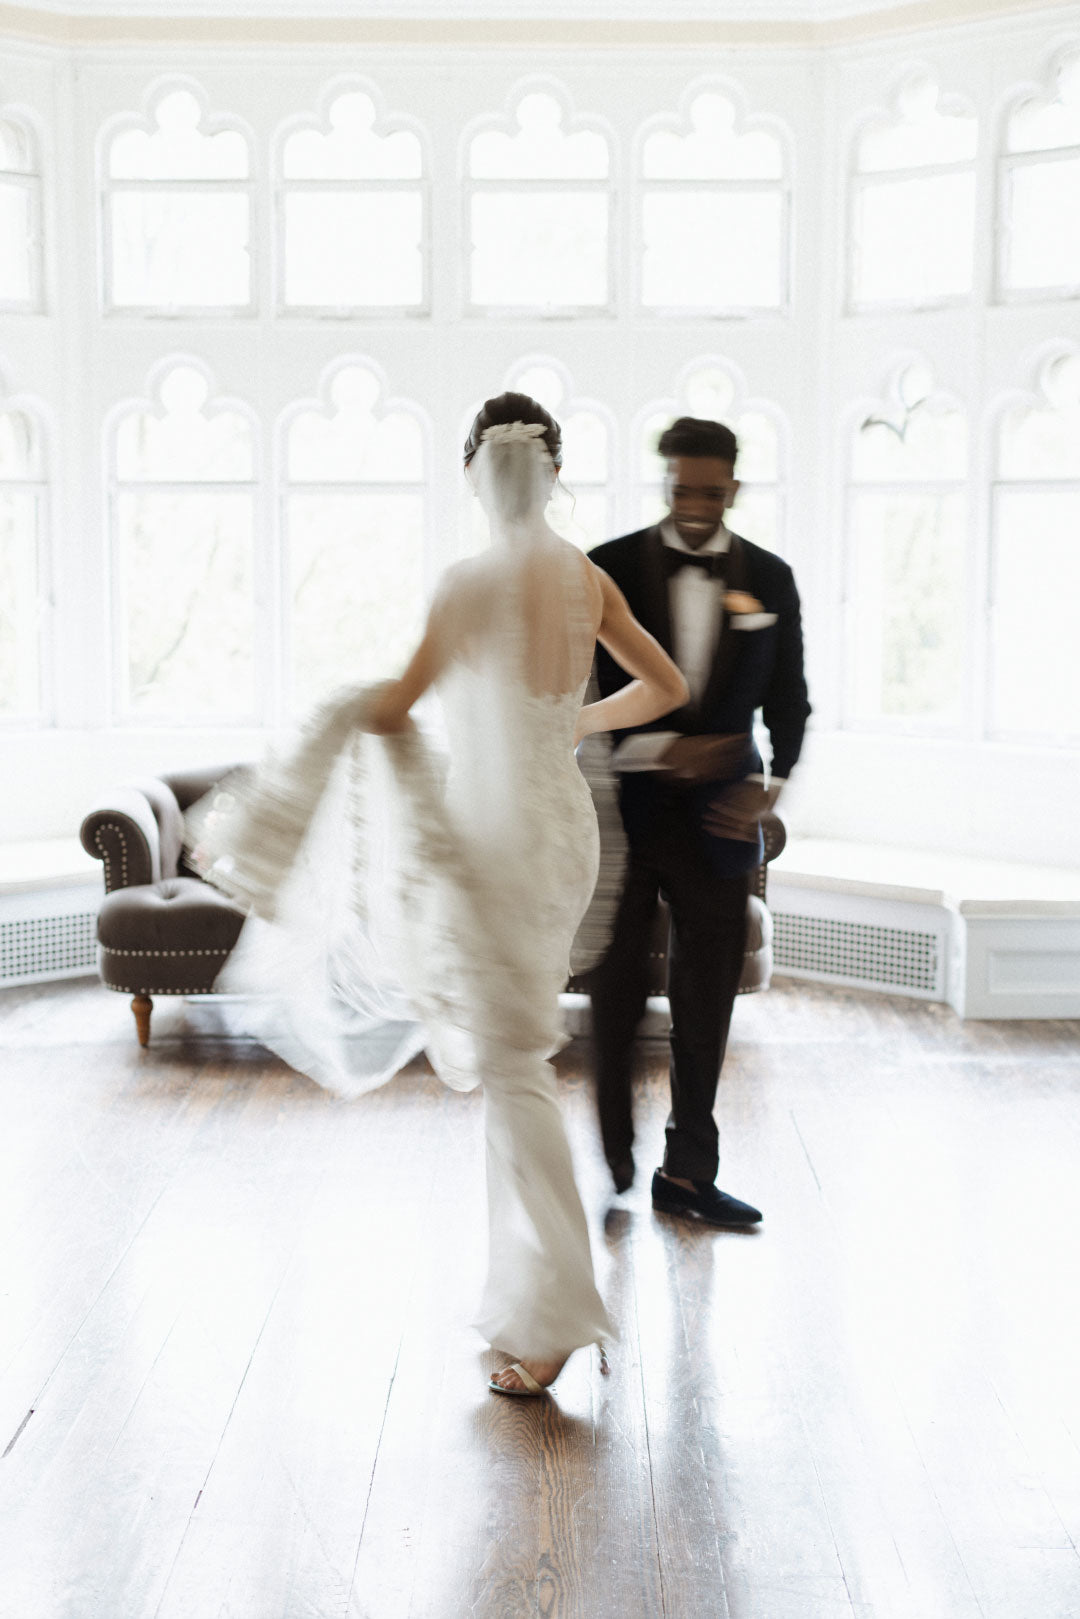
(126, 989)
(112, 826)
(112, 951)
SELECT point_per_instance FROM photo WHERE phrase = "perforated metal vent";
(892, 957)
(40, 947)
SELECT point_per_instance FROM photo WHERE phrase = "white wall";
(960, 792)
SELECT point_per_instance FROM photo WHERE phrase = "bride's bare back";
(531, 608)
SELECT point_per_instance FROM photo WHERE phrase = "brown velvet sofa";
(161, 929)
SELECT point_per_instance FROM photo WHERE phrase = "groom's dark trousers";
(704, 879)
(705, 956)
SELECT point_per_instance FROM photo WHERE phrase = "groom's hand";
(694, 759)
(736, 812)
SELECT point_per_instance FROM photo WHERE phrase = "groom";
(728, 612)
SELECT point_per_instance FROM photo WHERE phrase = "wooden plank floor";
(236, 1375)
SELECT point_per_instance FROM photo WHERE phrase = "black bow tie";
(713, 563)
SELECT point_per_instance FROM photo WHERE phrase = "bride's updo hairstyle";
(511, 407)
(522, 445)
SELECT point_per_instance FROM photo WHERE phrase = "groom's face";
(698, 491)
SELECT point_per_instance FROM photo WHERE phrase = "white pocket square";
(752, 621)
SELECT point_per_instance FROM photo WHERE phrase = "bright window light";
(22, 486)
(351, 208)
(913, 205)
(713, 215)
(184, 552)
(177, 215)
(907, 607)
(355, 516)
(539, 214)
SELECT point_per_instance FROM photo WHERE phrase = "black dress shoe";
(706, 1202)
(623, 1174)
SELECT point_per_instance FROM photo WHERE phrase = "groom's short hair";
(692, 436)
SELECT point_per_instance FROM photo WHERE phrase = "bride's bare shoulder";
(468, 577)
(463, 600)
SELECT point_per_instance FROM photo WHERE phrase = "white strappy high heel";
(531, 1390)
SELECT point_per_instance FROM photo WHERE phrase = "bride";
(455, 934)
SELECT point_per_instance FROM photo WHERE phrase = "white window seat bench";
(992, 938)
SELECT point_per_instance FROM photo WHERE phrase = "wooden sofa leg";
(142, 1006)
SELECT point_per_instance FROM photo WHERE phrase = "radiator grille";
(898, 958)
(41, 947)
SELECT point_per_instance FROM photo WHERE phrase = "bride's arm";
(458, 604)
(658, 685)
(390, 710)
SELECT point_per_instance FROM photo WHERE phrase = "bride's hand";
(386, 714)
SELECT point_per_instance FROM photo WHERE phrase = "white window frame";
(573, 404)
(471, 186)
(108, 187)
(1008, 164)
(858, 183)
(122, 715)
(608, 491)
(383, 125)
(30, 181)
(897, 724)
(682, 124)
(999, 486)
(41, 716)
(285, 487)
(1029, 736)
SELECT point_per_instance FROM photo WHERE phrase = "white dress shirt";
(695, 602)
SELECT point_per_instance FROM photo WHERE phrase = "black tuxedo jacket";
(752, 669)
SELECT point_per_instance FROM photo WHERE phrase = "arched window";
(709, 390)
(1040, 191)
(20, 217)
(354, 523)
(907, 526)
(713, 215)
(22, 496)
(182, 518)
(351, 214)
(177, 214)
(1035, 675)
(539, 210)
(583, 512)
(913, 208)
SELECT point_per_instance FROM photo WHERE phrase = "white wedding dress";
(407, 897)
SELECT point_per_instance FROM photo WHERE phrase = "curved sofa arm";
(123, 834)
(774, 835)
